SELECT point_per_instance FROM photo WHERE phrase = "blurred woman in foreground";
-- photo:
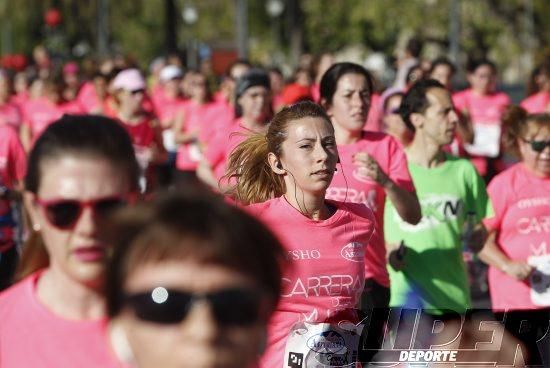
(80, 169)
(192, 283)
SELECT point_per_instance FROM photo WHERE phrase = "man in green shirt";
(429, 272)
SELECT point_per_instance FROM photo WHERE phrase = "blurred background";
(284, 33)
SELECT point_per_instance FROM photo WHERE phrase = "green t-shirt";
(435, 276)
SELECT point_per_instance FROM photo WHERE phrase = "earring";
(36, 227)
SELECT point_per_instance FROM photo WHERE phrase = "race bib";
(540, 280)
(169, 140)
(319, 345)
(486, 140)
(194, 152)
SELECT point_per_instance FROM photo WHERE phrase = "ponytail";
(255, 181)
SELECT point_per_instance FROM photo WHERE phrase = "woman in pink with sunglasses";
(517, 249)
(80, 169)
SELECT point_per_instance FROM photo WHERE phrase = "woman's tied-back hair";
(81, 136)
(191, 226)
(248, 165)
(516, 121)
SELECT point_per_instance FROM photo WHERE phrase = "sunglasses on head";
(538, 146)
(230, 307)
(65, 213)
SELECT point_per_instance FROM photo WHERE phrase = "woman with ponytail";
(80, 169)
(516, 249)
(283, 176)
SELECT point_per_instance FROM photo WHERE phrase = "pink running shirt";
(486, 113)
(10, 115)
(200, 119)
(375, 115)
(40, 113)
(536, 103)
(20, 99)
(521, 203)
(168, 112)
(33, 336)
(218, 150)
(325, 274)
(89, 101)
(350, 186)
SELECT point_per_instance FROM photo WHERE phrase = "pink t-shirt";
(539, 102)
(350, 186)
(169, 110)
(316, 92)
(10, 114)
(325, 271)
(89, 101)
(373, 120)
(20, 99)
(33, 336)
(521, 203)
(39, 113)
(200, 119)
(72, 107)
(142, 133)
(486, 113)
(218, 150)
(13, 166)
(158, 97)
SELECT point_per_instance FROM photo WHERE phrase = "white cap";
(170, 72)
(129, 80)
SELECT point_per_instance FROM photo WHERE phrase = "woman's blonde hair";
(248, 164)
(516, 121)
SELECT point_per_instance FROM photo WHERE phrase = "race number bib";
(319, 345)
(486, 140)
(169, 140)
(540, 280)
(194, 152)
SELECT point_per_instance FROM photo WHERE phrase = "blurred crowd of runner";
(381, 196)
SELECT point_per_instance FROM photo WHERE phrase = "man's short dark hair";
(414, 47)
(416, 100)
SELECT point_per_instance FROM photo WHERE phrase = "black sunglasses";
(538, 146)
(64, 213)
(230, 307)
(137, 91)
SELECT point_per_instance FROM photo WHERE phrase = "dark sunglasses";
(230, 307)
(137, 91)
(538, 146)
(64, 213)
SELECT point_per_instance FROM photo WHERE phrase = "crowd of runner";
(377, 197)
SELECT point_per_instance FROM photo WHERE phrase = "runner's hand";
(368, 167)
(396, 256)
(518, 270)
